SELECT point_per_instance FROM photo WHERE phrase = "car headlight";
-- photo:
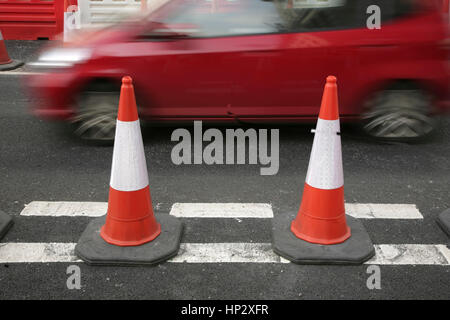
(61, 57)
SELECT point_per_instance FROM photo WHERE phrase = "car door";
(190, 79)
(289, 66)
(194, 74)
(212, 70)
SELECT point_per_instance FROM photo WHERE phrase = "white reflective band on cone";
(325, 164)
(129, 168)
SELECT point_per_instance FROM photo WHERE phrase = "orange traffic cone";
(321, 218)
(130, 221)
(6, 63)
(319, 233)
(6, 223)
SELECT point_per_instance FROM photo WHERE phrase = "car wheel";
(399, 115)
(96, 116)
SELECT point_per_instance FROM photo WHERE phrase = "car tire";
(96, 116)
(399, 114)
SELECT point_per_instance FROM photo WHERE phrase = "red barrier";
(31, 19)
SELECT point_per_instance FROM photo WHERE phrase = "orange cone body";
(321, 217)
(130, 219)
(4, 57)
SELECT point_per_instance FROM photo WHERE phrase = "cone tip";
(127, 80)
(331, 80)
(329, 109)
(127, 102)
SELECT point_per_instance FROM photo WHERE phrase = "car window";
(390, 10)
(216, 18)
(226, 17)
(317, 15)
(304, 16)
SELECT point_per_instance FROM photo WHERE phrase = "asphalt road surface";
(41, 161)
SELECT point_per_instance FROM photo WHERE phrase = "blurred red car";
(256, 61)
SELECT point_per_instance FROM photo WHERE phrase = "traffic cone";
(6, 223)
(129, 234)
(321, 233)
(6, 63)
(321, 218)
(444, 221)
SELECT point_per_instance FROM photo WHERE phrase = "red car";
(257, 61)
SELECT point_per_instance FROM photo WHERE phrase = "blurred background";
(237, 61)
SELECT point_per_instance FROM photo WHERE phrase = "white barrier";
(103, 12)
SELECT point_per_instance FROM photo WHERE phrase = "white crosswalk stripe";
(386, 254)
(218, 210)
(222, 210)
(65, 208)
(18, 73)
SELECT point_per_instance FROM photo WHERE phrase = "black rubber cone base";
(6, 223)
(11, 66)
(355, 250)
(444, 221)
(93, 250)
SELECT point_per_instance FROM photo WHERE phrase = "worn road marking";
(382, 211)
(218, 210)
(227, 253)
(65, 208)
(37, 252)
(386, 254)
(222, 210)
(18, 73)
(411, 254)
